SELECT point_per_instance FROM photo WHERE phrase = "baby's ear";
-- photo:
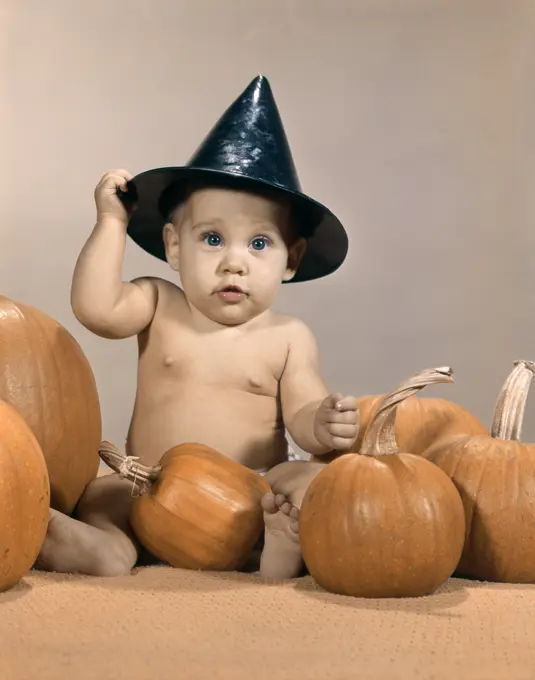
(172, 245)
(295, 255)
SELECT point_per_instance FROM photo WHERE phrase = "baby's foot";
(281, 557)
(74, 547)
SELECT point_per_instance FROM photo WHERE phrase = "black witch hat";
(247, 149)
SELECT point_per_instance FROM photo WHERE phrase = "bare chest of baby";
(218, 389)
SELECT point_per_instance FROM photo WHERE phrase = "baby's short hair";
(302, 220)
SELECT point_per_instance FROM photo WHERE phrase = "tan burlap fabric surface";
(164, 623)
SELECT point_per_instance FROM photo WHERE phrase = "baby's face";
(233, 253)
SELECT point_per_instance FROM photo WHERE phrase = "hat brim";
(326, 249)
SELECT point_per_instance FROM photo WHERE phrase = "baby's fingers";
(120, 173)
(113, 179)
(343, 431)
(330, 402)
(346, 417)
(347, 404)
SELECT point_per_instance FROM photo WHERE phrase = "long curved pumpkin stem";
(140, 475)
(380, 437)
(511, 403)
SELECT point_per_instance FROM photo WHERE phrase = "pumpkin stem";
(380, 437)
(128, 467)
(509, 410)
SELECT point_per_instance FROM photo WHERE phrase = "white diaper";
(292, 455)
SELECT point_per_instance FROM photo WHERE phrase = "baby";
(216, 365)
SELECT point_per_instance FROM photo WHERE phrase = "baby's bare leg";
(98, 543)
(281, 557)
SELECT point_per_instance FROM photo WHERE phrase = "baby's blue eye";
(212, 239)
(259, 243)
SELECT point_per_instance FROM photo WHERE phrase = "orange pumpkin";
(24, 497)
(420, 421)
(495, 476)
(197, 509)
(381, 523)
(45, 375)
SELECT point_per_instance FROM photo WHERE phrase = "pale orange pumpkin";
(382, 523)
(45, 375)
(420, 421)
(495, 476)
(197, 509)
(24, 497)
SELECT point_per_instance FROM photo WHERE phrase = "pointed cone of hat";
(246, 149)
(249, 140)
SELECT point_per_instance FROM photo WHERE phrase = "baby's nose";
(234, 264)
(235, 268)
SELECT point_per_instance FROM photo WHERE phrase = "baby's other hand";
(337, 421)
(106, 199)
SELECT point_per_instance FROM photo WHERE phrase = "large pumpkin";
(495, 476)
(24, 497)
(197, 509)
(420, 421)
(382, 523)
(45, 375)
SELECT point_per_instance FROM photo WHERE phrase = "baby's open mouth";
(231, 293)
(232, 289)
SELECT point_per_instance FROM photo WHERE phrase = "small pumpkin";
(24, 497)
(381, 523)
(197, 509)
(45, 375)
(495, 476)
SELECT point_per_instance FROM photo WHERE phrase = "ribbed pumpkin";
(381, 523)
(197, 509)
(45, 375)
(24, 497)
(420, 421)
(495, 476)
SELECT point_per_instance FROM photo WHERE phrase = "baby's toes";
(283, 504)
(286, 508)
(294, 513)
(280, 500)
(269, 503)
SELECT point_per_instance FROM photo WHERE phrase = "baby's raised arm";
(318, 421)
(100, 299)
